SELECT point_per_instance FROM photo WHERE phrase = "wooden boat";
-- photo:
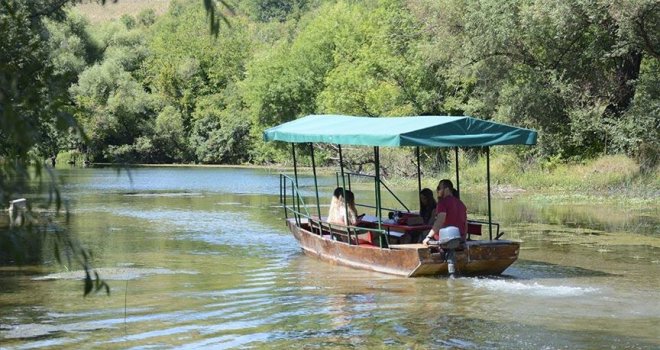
(482, 257)
(371, 245)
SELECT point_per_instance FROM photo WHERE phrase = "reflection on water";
(200, 258)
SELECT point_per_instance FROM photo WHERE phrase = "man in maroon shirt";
(450, 212)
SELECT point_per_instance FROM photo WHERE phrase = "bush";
(73, 157)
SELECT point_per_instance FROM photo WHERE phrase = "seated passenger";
(340, 206)
(333, 212)
(352, 210)
(450, 212)
(427, 206)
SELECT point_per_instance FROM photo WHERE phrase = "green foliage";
(565, 68)
(34, 115)
(71, 48)
(346, 58)
(33, 99)
(153, 89)
(639, 133)
(283, 82)
(218, 132)
(71, 157)
(169, 136)
(128, 21)
(204, 64)
(113, 106)
(146, 17)
(141, 150)
(378, 68)
(272, 10)
(195, 77)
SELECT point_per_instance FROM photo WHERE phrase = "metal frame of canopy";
(431, 131)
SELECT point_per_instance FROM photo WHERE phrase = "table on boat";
(397, 233)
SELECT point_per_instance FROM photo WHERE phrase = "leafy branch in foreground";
(214, 14)
(34, 109)
(37, 113)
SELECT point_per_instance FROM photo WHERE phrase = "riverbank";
(608, 178)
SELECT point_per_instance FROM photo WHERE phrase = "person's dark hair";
(426, 210)
(446, 183)
(350, 197)
(428, 194)
(338, 192)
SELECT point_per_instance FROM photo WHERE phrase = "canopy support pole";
(458, 184)
(295, 176)
(316, 185)
(377, 192)
(343, 192)
(341, 170)
(419, 174)
(490, 213)
(283, 194)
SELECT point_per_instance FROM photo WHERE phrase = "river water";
(200, 258)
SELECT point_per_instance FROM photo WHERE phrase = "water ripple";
(533, 289)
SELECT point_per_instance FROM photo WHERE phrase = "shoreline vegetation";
(203, 99)
(607, 178)
(551, 175)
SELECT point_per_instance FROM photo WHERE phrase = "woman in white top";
(337, 212)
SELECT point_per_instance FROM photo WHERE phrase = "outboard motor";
(450, 240)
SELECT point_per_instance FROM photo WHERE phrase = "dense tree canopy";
(570, 69)
(161, 89)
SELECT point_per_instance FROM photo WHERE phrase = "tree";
(113, 106)
(169, 135)
(379, 65)
(218, 131)
(273, 10)
(196, 75)
(567, 68)
(33, 102)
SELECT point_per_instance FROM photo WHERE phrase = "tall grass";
(607, 176)
(612, 178)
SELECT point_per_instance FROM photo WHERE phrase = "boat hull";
(483, 257)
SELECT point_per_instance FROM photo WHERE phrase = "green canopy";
(431, 131)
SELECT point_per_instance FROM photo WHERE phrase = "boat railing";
(295, 205)
(348, 182)
(474, 228)
(297, 201)
(475, 231)
(352, 235)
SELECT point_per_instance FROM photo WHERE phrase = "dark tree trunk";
(627, 71)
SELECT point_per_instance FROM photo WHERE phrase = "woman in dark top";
(427, 206)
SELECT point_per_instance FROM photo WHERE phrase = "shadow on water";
(447, 332)
(22, 245)
(451, 331)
